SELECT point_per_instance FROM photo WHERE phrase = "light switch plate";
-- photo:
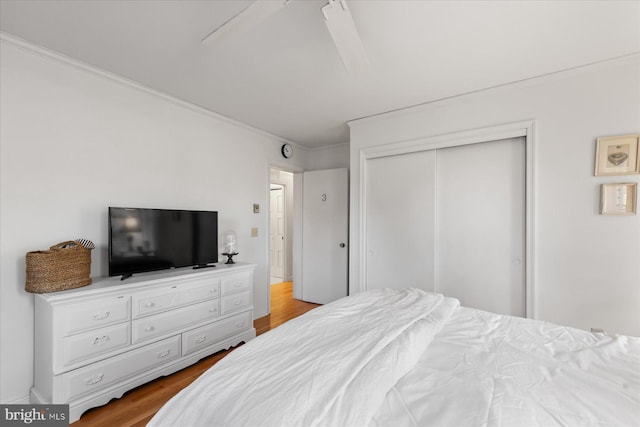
(254, 232)
(256, 208)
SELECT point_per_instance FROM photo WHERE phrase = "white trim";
(60, 58)
(297, 244)
(530, 221)
(283, 167)
(436, 228)
(524, 129)
(362, 237)
(24, 400)
(474, 136)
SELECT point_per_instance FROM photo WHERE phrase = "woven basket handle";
(70, 244)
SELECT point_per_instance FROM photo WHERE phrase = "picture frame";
(618, 198)
(617, 155)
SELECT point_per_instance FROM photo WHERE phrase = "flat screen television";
(142, 240)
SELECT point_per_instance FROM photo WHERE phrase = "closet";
(450, 220)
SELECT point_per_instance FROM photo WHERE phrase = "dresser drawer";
(170, 297)
(91, 344)
(108, 372)
(235, 302)
(207, 335)
(90, 315)
(160, 324)
(236, 283)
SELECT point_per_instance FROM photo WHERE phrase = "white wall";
(74, 141)
(328, 157)
(587, 267)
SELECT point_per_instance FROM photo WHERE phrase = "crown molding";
(11, 40)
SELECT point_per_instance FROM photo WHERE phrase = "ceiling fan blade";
(245, 20)
(345, 35)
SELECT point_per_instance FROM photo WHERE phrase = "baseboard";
(24, 400)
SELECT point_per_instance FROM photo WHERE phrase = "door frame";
(296, 219)
(524, 129)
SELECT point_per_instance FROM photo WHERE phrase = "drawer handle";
(238, 302)
(101, 340)
(213, 310)
(94, 379)
(213, 291)
(149, 305)
(240, 324)
(237, 284)
(201, 339)
(149, 329)
(163, 353)
(101, 316)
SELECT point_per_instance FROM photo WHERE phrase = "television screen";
(156, 239)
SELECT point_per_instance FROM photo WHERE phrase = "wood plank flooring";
(139, 405)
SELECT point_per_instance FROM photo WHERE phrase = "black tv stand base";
(197, 267)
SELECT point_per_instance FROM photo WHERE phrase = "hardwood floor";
(283, 308)
(139, 405)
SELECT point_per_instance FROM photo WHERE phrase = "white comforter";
(410, 358)
(485, 369)
(333, 366)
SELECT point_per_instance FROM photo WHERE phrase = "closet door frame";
(524, 129)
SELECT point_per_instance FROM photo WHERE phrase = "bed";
(412, 358)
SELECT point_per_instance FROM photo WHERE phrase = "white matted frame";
(524, 129)
(617, 155)
(618, 198)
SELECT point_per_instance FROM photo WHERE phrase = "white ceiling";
(285, 76)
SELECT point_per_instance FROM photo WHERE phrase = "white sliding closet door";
(450, 220)
(480, 202)
(399, 221)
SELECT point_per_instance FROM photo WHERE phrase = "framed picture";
(618, 155)
(618, 199)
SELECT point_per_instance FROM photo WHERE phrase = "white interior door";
(480, 251)
(324, 235)
(277, 227)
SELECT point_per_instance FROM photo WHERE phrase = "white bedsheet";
(331, 367)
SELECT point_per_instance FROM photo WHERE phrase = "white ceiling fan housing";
(337, 17)
(339, 21)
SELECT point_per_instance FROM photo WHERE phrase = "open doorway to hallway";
(281, 226)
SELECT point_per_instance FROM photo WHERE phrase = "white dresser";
(94, 343)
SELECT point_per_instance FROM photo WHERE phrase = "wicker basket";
(66, 265)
